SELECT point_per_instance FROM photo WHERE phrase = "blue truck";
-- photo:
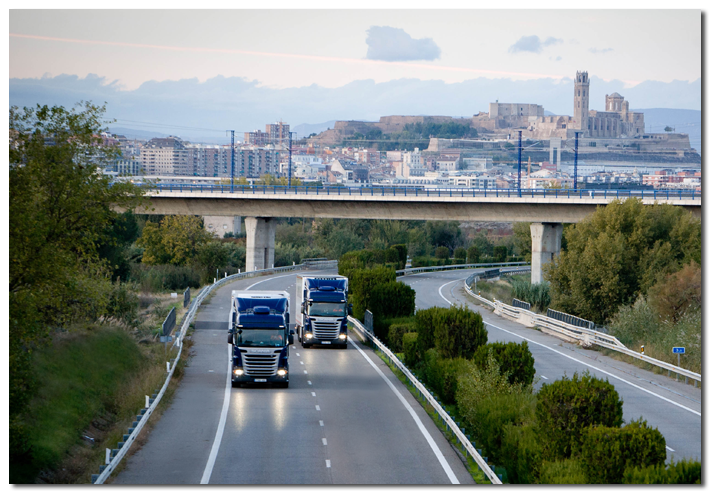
(260, 336)
(322, 307)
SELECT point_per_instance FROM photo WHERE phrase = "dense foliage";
(515, 361)
(458, 332)
(619, 252)
(61, 209)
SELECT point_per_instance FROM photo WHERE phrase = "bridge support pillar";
(260, 242)
(545, 245)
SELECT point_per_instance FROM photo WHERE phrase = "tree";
(460, 254)
(459, 332)
(176, 240)
(668, 129)
(442, 252)
(472, 255)
(446, 234)
(60, 209)
(619, 252)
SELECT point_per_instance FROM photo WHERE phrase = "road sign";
(679, 351)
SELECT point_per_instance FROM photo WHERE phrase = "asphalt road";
(345, 419)
(672, 407)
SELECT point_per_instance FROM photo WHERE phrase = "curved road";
(672, 407)
(345, 419)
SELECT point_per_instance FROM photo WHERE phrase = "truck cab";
(322, 309)
(260, 335)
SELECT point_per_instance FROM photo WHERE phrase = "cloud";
(392, 44)
(533, 44)
(558, 58)
(597, 51)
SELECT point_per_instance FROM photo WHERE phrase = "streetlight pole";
(575, 163)
(289, 181)
(231, 151)
(519, 183)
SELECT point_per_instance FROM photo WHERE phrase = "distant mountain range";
(681, 120)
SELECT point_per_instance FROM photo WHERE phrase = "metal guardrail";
(584, 336)
(393, 191)
(169, 324)
(426, 269)
(179, 342)
(520, 304)
(187, 298)
(448, 420)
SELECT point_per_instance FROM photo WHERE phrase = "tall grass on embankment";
(91, 383)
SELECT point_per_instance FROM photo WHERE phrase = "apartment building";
(165, 157)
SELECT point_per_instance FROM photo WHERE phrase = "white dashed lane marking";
(317, 408)
(321, 423)
(329, 463)
(324, 441)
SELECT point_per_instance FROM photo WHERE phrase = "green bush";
(607, 452)
(567, 471)
(389, 300)
(473, 255)
(442, 252)
(411, 353)
(566, 407)
(441, 374)
(459, 331)
(520, 453)
(124, 303)
(515, 360)
(460, 255)
(426, 321)
(500, 253)
(487, 404)
(682, 472)
(164, 277)
(363, 281)
(401, 251)
(538, 295)
(395, 338)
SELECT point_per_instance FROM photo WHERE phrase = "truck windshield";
(323, 309)
(261, 337)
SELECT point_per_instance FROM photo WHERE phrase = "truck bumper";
(248, 379)
(324, 342)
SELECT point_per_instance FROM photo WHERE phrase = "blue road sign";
(679, 351)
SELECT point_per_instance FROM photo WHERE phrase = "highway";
(339, 422)
(346, 419)
(672, 407)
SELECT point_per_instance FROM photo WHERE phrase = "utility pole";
(231, 151)
(519, 183)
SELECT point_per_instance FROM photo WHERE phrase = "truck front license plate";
(260, 379)
(326, 342)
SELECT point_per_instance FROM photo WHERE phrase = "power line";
(147, 123)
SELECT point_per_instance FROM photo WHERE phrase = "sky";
(183, 72)
(331, 48)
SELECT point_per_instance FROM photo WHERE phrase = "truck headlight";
(342, 336)
(281, 372)
(238, 371)
(308, 335)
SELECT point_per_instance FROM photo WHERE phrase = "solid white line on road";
(545, 378)
(268, 279)
(324, 441)
(669, 448)
(222, 421)
(321, 423)
(314, 394)
(442, 460)
(329, 463)
(317, 408)
(598, 370)
(442, 295)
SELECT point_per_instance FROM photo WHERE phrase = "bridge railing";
(465, 192)
(584, 336)
(426, 269)
(428, 397)
(179, 343)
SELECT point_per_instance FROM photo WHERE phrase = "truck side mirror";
(229, 338)
(291, 331)
(351, 309)
(291, 337)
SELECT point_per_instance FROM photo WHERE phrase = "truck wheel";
(343, 346)
(305, 345)
(236, 384)
(283, 385)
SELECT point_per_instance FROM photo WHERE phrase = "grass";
(93, 382)
(500, 289)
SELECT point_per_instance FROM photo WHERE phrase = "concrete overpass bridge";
(546, 210)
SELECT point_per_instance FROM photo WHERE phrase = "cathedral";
(615, 122)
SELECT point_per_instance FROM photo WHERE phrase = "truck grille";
(260, 364)
(326, 329)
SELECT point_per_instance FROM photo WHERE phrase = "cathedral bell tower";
(580, 100)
